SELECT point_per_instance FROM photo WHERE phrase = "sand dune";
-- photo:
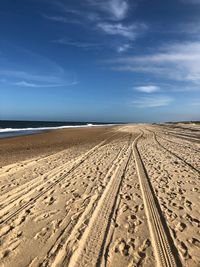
(129, 198)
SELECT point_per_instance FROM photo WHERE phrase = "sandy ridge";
(163, 252)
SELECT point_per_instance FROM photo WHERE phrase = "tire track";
(73, 208)
(175, 155)
(91, 244)
(71, 227)
(6, 215)
(188, 137)
(10, 181)
(16, 167)
(165, 252)
(177, 143)
(27, 188)
(26, 164)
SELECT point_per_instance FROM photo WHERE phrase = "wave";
(6, 130)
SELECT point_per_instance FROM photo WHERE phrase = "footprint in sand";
(10, 248)
(123, 247)
(42, 233)
(22, 217)
(132, 223)
(5, 230)
(188, 204)
(181, 226)
(194, 241)
(140, 254)
(43, 215)
(192, 220)
(50, 200)
(183, 250)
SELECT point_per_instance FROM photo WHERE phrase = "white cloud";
(103, 15)
(27, 84)
(42, 85)
(123, 48)
(127, 31)
(180, 62)
(116, 9)
(152, 101)
(147, 88)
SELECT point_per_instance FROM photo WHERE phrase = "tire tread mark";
(165, 253)
(89, 251)
(78, 162)
(175, 155)
(7, 195)
(170, 141)
(110, 167)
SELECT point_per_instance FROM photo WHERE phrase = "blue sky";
(100, 60)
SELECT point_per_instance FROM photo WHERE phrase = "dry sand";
(110, 196)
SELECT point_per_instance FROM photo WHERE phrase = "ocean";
(9, 128)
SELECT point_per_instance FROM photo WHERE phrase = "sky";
(100, 60)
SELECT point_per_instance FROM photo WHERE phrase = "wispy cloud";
(79, 44)
(42, 72)
(103, 16)
(94, 9)
(62, 19)
(152, 101)
(123, 48)
(127, 31)
(56, 18)
(116, 9)
(177, 61)
(41, 85)
(147, 88)
(189, 28)
(27, 79)
(23, 75)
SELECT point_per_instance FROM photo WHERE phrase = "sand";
(111, 196)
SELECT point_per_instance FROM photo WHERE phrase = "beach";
(112, 196)
(46, 143)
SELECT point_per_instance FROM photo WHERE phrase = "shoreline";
(13, 132)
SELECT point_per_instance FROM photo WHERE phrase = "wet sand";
(113, 196)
